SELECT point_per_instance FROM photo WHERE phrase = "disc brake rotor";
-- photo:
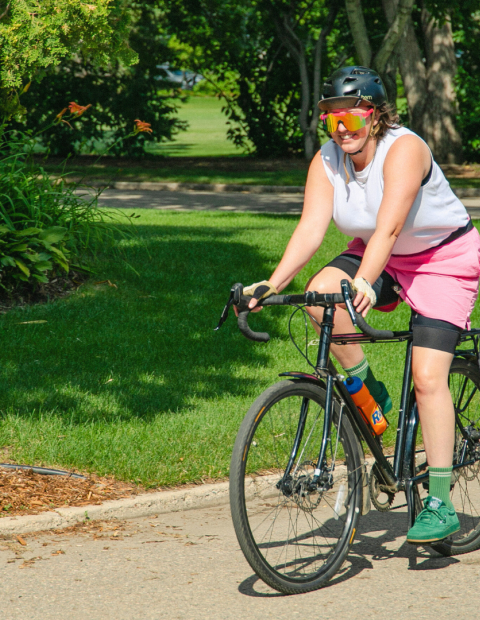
(305, 499)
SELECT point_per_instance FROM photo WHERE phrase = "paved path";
(188, 566)
(203, 201)
(234, 201)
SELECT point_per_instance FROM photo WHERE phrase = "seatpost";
(325, 339)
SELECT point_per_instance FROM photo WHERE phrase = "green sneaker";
(384, 399)
(434, 523)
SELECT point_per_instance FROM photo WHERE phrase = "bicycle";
(298, 476)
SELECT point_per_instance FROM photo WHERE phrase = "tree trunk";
(441, 108)
(429, 87)
(412, 70)
(308, 117)
(310, 140)
(401, 15)
(359, 31)
(428, 77)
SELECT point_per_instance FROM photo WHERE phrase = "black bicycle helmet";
(349, 86)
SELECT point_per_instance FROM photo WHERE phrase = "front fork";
(322, 479)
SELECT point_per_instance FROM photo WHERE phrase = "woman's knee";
(326, 281)
(430, 370)
(427, 380)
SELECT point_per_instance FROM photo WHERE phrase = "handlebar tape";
(371, 331)
(245, 329)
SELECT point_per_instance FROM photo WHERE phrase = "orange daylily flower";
(141, 126)
(60, 114)
(78, 110)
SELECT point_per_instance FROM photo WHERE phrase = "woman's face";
(352, 141)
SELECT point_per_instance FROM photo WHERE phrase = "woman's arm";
(407, 163)
(310, 231)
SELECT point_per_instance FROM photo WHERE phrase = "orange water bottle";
(366, 404)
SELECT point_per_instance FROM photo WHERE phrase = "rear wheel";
(293, 537)
(464, 381)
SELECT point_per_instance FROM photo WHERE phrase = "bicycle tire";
(294, 543)
(464, 382)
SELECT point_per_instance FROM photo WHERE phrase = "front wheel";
(295, 537)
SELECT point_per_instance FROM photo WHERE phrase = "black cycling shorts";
(428, 333)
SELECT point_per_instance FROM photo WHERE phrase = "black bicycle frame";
(401, 475)
(397, 476)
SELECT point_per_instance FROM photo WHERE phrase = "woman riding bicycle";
(413, 241)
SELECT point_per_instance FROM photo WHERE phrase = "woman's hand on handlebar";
(257, 291)
(365, 297)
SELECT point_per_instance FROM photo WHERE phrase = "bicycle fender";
(304, 376)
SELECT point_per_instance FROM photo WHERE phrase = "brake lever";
(347, 291)
(234, 299)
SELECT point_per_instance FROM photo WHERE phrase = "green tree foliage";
(118, 94)
(256, 40)
(238, 37)
(466, 34)
(38, 34)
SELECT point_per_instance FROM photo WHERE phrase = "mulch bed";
(25, 492)
(26, 294)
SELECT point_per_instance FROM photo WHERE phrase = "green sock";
(364, 372)
(439, 483)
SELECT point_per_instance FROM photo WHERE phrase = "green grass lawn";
(132, 381)
(207, 131)
(189, 172)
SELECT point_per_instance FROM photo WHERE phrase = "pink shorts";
(441, 283)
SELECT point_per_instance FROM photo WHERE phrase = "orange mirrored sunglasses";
(352, 121)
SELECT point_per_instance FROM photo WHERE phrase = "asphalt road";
(188, 566)
(233, 201)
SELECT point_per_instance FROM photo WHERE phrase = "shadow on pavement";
(380, 537)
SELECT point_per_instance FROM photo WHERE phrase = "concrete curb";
(204, 496)
(217, 188)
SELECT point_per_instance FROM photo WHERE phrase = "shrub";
(47, 224)
(31, 253)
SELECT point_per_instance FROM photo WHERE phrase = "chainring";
(376, 492)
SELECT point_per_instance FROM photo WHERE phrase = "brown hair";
(388, 119)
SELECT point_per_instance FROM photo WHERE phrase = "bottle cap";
(353, 384)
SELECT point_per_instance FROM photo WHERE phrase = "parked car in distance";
(176, 77)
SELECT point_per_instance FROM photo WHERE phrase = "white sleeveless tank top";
(435, 213)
